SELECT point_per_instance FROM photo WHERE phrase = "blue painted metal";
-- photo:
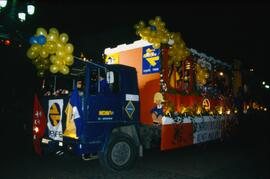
(97, 128)
(103, 112)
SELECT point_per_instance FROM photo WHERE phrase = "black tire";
(120, 154)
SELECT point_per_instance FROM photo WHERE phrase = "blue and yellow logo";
(151, 56)
(55, 114)
(151, 60)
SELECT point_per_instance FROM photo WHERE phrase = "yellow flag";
(70, 124)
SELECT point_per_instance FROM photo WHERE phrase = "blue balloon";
(33, 40)
(41, 39)
(154, 28)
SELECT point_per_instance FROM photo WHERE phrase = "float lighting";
(221, 73)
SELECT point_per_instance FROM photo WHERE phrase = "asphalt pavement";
(243, 155)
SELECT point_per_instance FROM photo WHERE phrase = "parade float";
(197, 88)
(160, 94)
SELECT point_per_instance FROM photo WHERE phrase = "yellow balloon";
(59, 45)
(54, 68)
(53, 30)
(50, 47)
(150, 39)
(69, 60)
(60, 53)
(53, 58)
(162, 24)
(63, 37)
(156, 45)
(41, 31)
(31, 54)
(152, 22)
(35, 47)
(43, 53)
(58, 62)
(64, 69)
(146, 31)
(136, 26)
(69, 48)
(37, 60)
(164, 40)
(158, 19)
(141, 24)
(52, 37)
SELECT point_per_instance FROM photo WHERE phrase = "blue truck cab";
(85, 119)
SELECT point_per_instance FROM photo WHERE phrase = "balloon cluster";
(157, 34)
(201, 75)
(178, 51)
(50, 51)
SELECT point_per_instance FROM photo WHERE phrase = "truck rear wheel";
(120, 154)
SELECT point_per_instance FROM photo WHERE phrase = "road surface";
(245, 155)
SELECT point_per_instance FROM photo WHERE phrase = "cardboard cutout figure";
(157, 111)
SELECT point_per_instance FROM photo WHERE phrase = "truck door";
(103, 105)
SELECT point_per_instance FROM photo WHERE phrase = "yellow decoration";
(199, 110)
(112, 58)
(206, 104)
(41, 31)
(219, 109)
(55, 54)
(63, 37)
(174, 78)
(70, 130)
(201, 74)
(183, 110)
(156, 33)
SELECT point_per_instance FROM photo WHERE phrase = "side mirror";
(110, 77)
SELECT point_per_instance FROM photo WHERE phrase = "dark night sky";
(225, 31)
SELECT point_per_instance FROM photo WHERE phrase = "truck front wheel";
(120, 153)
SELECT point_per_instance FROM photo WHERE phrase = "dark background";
(226, 31)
